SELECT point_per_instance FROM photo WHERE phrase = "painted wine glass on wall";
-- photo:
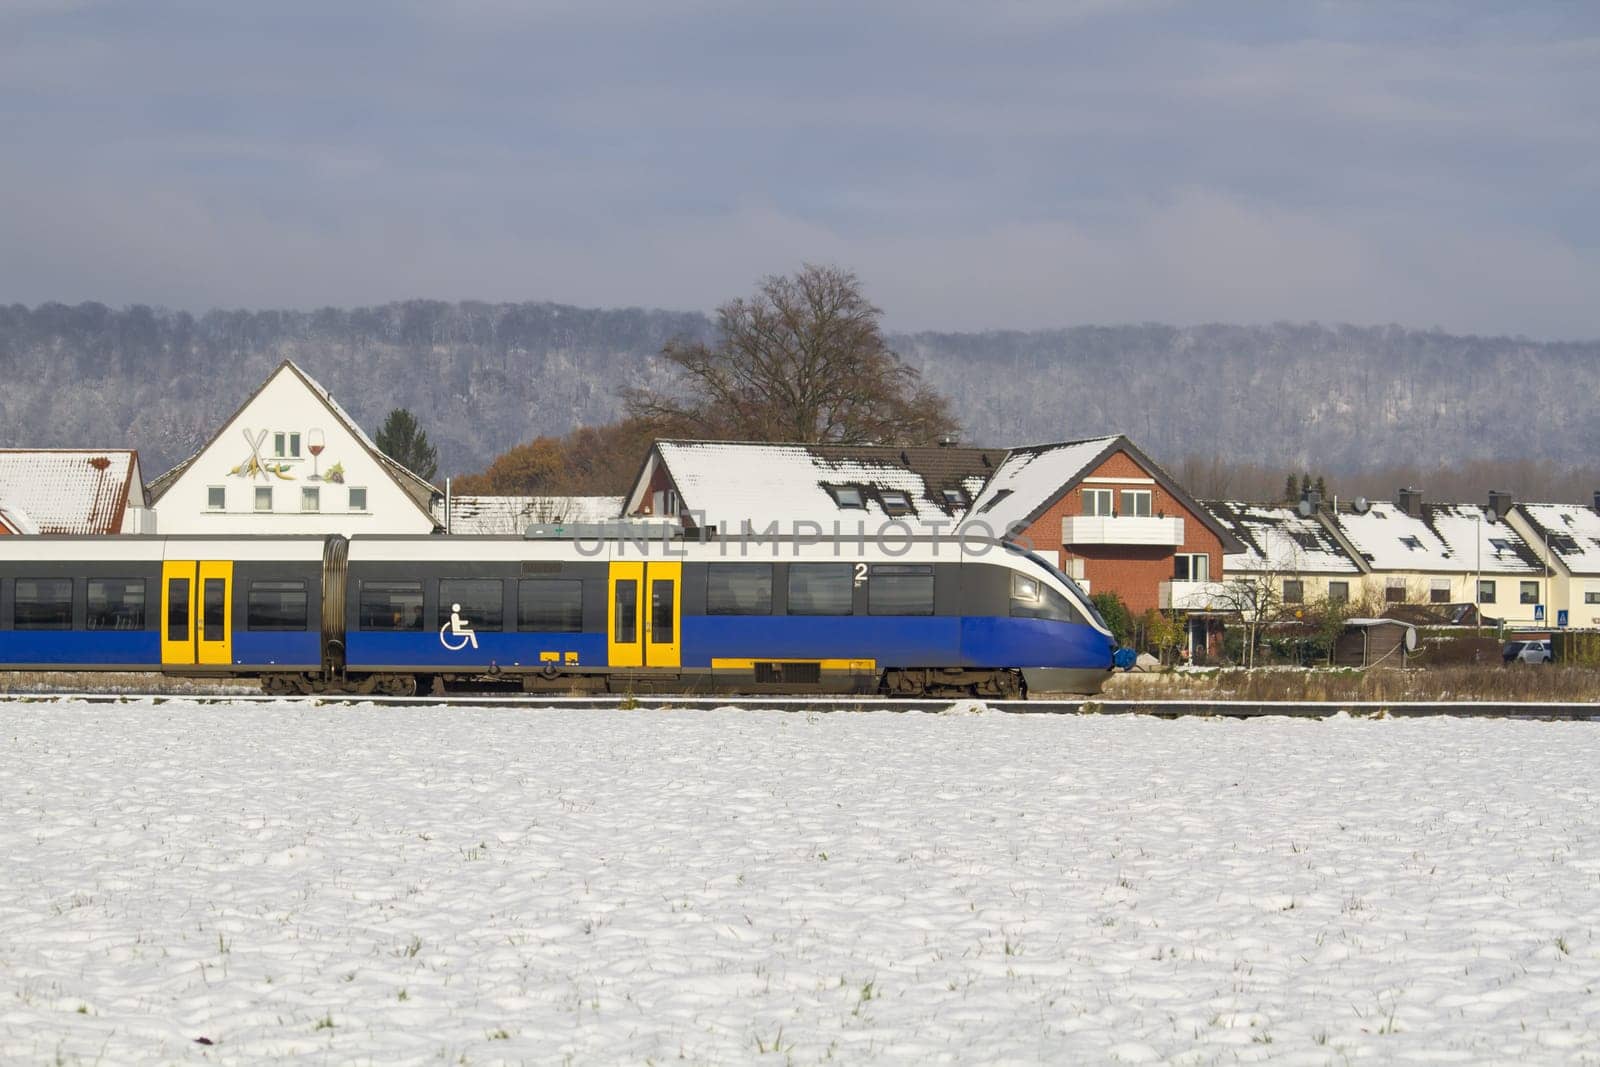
(314, 444)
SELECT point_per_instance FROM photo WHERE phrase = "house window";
(1338, 592)
(1529, 593)
(279, 442)
(310, 498)
(847, 496)
(358, 498)
(263, 498)
(1439, 591)
(1394, 591)
(1136, 503)
(895, 502)
(669, 502)
(216, 497)
(1097, 502)
(1294, 591)
(286, 445)
(1486, 591)
(1191, 567)
(1591, 596)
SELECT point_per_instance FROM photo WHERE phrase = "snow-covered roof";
(1277, 538)
(1390, 540)
(1480, 545)
(514, 514)
(71, 490)
(1030, 478)
(734, 482)
(1571, 530)
(16, 520)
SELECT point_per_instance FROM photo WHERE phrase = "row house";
(1384, 554)
(1566, 540)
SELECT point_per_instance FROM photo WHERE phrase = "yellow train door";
(625, 637)
(644, 615)
(214, 614)
(177, 613)
(662, 648)
(197, 609)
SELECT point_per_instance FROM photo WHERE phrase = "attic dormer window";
(847, 496)
(895, 502)
(1411, 542)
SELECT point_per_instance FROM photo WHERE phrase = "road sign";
(1561, 618)
(1538, 613)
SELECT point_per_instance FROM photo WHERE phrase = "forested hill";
(482, 377)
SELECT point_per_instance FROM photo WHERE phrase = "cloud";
(1046, 164)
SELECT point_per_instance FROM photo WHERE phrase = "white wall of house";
(259, 476)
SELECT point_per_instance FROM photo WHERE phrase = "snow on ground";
(443, 885)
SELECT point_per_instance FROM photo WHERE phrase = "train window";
(116, 604)
(661, 611)
(178, 609)
(43, 604)
(276, 606)
(550, 605)
(1032, 599)
(627, 612)
(900, 589)
(390, 605)
(820, 588)
(739, 589)
(479, 601)
(214, 602)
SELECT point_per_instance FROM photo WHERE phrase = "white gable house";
(291, 461)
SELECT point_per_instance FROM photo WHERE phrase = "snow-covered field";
(445, 885)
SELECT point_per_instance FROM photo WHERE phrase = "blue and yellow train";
(558, 611)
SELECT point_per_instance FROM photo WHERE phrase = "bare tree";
(801, 360)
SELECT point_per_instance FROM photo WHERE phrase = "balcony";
(1121, 530)
(1194, 596)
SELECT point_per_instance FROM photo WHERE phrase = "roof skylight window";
(1305, 539)
(894, 501)
(954, 498)
(1500, 544)
(1411, 542)
(847, 496)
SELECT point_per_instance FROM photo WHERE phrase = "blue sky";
(1016, 163)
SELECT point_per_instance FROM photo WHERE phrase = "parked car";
(1526, 652)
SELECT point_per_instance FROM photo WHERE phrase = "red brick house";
(1108, 515)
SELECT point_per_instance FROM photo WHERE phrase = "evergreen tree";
(1322, 487)
(402, 440)
(1291, 491)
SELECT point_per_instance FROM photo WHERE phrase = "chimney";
(950, 440)
(1409, 501)
(1597, 499)
(1500, 502)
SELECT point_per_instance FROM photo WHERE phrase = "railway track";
(1241, 709)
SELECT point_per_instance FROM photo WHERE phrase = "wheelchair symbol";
(457, 627)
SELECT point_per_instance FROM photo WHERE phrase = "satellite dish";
(1491, 516)
(1361, 505)
(1411, 638)
(1304, 507)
